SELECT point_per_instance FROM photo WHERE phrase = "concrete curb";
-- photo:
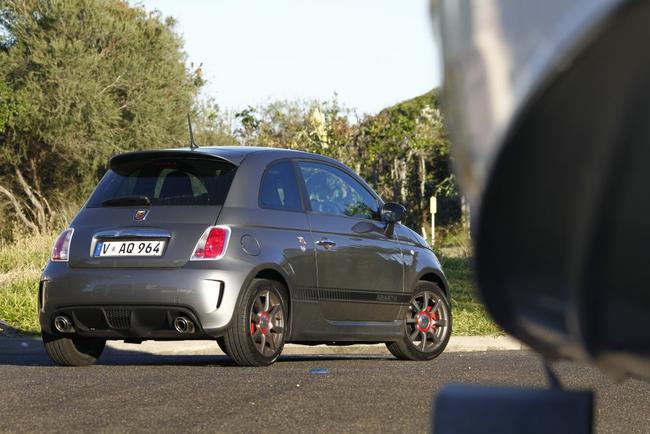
(24, 345)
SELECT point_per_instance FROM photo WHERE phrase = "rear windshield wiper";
(127, 201)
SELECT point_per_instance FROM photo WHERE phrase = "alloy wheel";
(427, 321)
(267, 322)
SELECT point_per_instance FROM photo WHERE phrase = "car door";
(282, 225)
(359, 268)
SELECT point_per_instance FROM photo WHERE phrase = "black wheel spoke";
(257, 305)
(262, 343)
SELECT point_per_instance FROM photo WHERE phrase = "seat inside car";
(176, 184)
(277, 191)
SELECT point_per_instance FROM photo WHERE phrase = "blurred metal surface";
(548, 108)
(497, 55)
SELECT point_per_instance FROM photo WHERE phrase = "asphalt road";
(140, 392)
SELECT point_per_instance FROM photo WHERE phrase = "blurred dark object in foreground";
(507, 410)
(548, 105)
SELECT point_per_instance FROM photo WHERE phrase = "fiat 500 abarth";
(251, 247)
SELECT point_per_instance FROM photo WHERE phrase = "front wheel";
(427, 325)
(73, 351)
(257, 332)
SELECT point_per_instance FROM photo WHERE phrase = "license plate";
(129, 248)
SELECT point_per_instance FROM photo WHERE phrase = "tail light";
(212, 245)
(61, 249)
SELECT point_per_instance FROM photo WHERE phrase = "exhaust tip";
(63, 324)
(183, 325)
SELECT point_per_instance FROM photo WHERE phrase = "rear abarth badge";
(140, 214)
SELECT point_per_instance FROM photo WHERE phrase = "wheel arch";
(274, 272)
(435, 276)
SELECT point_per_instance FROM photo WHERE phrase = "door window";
(279, 189)
(332, 191)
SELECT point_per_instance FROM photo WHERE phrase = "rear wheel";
(256, 335)
(427, 325)
(73, 351)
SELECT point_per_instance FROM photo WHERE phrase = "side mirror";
(392, 212)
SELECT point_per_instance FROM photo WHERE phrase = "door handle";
(326, 243)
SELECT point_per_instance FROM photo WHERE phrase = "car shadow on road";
(29, 351)
(128, 358)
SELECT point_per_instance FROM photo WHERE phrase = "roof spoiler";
(118, 159)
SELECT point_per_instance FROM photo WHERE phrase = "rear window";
(178, 181)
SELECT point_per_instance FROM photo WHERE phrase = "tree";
(85, 79)
(408, 158)
(212, 125)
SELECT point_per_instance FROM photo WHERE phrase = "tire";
(73, 351)
(257, 333)
(427, 325)
(222, 345)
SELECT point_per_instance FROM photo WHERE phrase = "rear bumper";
(148, 297)
(129, 322)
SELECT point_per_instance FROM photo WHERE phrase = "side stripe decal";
(350, 295)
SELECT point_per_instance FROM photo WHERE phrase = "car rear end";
(143, 259)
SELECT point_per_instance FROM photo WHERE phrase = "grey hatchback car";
(251, 247)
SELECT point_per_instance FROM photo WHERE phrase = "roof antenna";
(193, 144)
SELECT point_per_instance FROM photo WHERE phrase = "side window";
(333, 191)
(279, 189)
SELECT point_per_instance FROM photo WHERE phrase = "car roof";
(233, 154)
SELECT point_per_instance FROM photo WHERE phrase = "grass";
(454, 248)
(22, 260)
(470, 317)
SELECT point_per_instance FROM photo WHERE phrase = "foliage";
(455, 250)
(408, 157)
(212, 125)
(21, 262)
(79, 81)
